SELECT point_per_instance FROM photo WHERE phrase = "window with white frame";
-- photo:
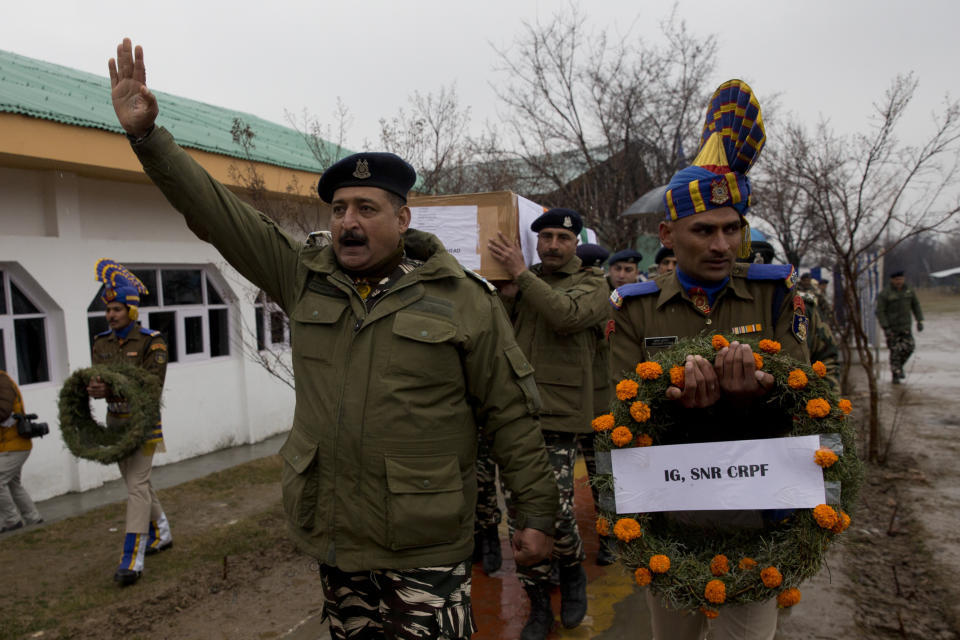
(184, 305)
(24, 331)
(273, 327)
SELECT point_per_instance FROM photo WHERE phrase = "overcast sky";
(831, 58)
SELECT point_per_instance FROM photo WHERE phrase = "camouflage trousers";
(432, 602)
(567, 543)
(488, 509)
(901, 345)
(585, 442)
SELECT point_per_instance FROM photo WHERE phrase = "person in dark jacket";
(895, 304)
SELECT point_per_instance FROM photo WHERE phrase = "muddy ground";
(233, 574)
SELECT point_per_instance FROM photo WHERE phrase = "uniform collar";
(124, 333)
(670, 287)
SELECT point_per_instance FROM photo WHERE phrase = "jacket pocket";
(314, 326)
(560, 386)
(300, 479)
(422, 347)
(425, 500)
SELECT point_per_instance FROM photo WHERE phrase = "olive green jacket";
(894, 308)
(379, 465)
(557, 318)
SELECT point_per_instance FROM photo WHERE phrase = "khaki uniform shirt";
(762, 306)
(379, 467)
(557, 318)
(144, 348)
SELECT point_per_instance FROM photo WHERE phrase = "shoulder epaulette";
(149, 332)
(104, 334)
(477, 276)
(783, 272)
(631, 290)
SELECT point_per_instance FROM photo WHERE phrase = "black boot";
(605, 554)
(573, 595)
(490, 549)
(541, 615)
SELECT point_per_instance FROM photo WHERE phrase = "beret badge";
(362, 172)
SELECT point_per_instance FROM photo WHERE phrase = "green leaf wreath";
(694, 567)
(87, 438)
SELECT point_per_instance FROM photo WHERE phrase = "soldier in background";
(894, 305)
(601, 384)
(624, 268)
(665, 260)
(556, 308)
(126, 341)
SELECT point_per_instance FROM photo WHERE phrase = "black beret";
(897, 274)
(805, 275)
(662, 254)
(764, 248)
(592, 255)
(561, 219)
(386, 171)
(627, 255)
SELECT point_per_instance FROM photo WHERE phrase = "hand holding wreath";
(693, 567)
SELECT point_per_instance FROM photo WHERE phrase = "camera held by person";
(27, 428)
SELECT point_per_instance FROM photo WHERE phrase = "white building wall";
(53, 227)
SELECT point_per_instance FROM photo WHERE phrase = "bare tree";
(432, 135)
(870, 193)
(783, 204)
(299, 210)
(593, 121)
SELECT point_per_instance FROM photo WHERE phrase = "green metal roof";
(51, 92)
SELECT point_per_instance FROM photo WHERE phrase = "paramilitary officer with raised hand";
(557, 309)
(398, 354)
(710, 292)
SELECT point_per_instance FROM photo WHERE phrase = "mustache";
(352, 237)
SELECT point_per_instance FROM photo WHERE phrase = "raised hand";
(135, 105)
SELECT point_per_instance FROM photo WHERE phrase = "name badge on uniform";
(132, 354)
(659, 342)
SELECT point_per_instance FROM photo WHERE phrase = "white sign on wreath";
(774, 473)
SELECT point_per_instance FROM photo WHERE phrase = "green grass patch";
(938, 301)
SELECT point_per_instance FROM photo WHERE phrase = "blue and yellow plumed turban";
(731, 140)
(119, 285)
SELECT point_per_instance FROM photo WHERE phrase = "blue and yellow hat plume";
(730, 143)
(120, 285)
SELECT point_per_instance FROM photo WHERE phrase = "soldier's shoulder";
(784, 274)
(637, 289)
(473, 276)
(150, 332)
(103, 334)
